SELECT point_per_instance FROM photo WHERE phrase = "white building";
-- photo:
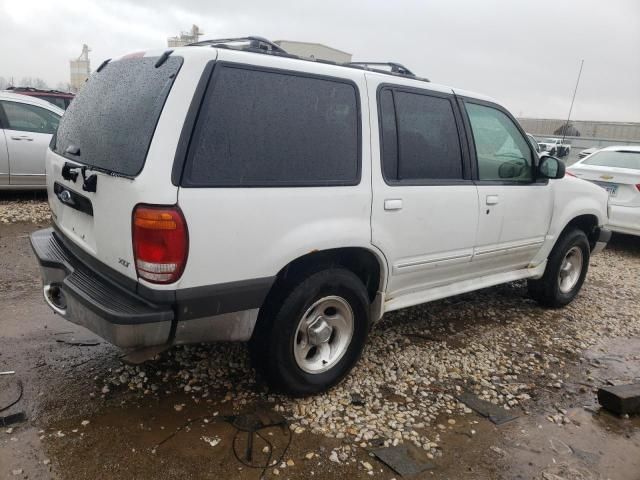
(80, 69)
(314, 50)
(185, 38)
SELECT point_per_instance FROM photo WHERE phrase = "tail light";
(160, 243)
(638, 186)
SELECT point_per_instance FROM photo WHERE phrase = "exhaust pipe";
(54, 296)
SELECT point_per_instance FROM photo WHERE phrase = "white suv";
(230, 191)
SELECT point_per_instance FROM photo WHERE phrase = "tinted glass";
(427, 146)
(57, 101)
(269, 128)
(503, 153)
(389, 135)
(113, 117)
(609, 158)
(29, 118)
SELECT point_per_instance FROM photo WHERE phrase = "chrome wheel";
(570, 270)
(323, 334)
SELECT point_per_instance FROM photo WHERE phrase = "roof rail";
(251, 42)
(395, 67)
(33, 89)
(257, 44)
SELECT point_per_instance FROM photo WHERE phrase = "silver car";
(26, 127)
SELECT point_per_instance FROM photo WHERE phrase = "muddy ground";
(560, 433)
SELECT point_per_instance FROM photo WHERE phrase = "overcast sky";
(526, 54)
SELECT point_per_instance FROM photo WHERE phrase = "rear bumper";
(128, 315)
(86, 298)
(604, 235)
(624, 219)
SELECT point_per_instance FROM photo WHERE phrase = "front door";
(28, 132)
(515, 208)
(425, 206)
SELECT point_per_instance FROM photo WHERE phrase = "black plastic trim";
(190, 303)
(222, 298)
(182, 153)
(180, 157)
(105, 298)
(604, 235)
(72, 199)
(464, 149)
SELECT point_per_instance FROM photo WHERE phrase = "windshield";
(110, 123)
(619, 159)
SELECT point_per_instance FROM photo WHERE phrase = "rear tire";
(310, 335)
(566, 270)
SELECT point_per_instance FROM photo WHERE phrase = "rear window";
(274, 128)
(608, 158)
(112, 119)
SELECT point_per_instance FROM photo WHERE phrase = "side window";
(267, 128)
(29, 118)
(419, 137)
(503, 153)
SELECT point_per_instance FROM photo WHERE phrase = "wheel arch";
(367, 264)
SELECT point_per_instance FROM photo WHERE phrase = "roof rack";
(251, 42)
(32, 89)
(395, 67)
(257, 44)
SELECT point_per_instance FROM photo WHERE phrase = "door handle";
(22, 137)
(393, 204)
(492, 199)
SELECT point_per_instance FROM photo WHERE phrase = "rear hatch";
(618, 172)
(106, 140)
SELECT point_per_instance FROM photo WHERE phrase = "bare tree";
(40, 83)
(3, 83)
(63, 86)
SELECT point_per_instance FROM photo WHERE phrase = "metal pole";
(564, 130)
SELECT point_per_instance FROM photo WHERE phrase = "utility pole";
(564, 130)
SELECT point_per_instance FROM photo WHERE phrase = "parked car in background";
(199, 208)
(555, 147)
(59, 99)
(588, 151)
(26, 126)
(617, 170)
(534, 143)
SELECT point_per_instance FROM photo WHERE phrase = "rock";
(290, 463)
(84, 423)
(178, 407)
(309, 455)
(334, 457)
(366, 465)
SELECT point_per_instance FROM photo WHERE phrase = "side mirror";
(550, 167)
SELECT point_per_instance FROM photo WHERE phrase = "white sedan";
(26, 127)
(617, 170)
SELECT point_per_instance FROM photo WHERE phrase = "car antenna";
(564, 130)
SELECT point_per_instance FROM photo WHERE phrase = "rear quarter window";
(274, 128)
(113, 117)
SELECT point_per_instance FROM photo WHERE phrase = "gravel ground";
(24, 207)
(496, 343)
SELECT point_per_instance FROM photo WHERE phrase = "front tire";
(311, 335)
(566, 270)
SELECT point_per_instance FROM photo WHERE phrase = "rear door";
(4, 158)
(515, 208)
(425, 205)
(28, 132)
(114, 129)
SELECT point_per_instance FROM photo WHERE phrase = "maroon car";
(59, 99)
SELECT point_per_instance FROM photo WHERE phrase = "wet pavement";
(134, 431)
